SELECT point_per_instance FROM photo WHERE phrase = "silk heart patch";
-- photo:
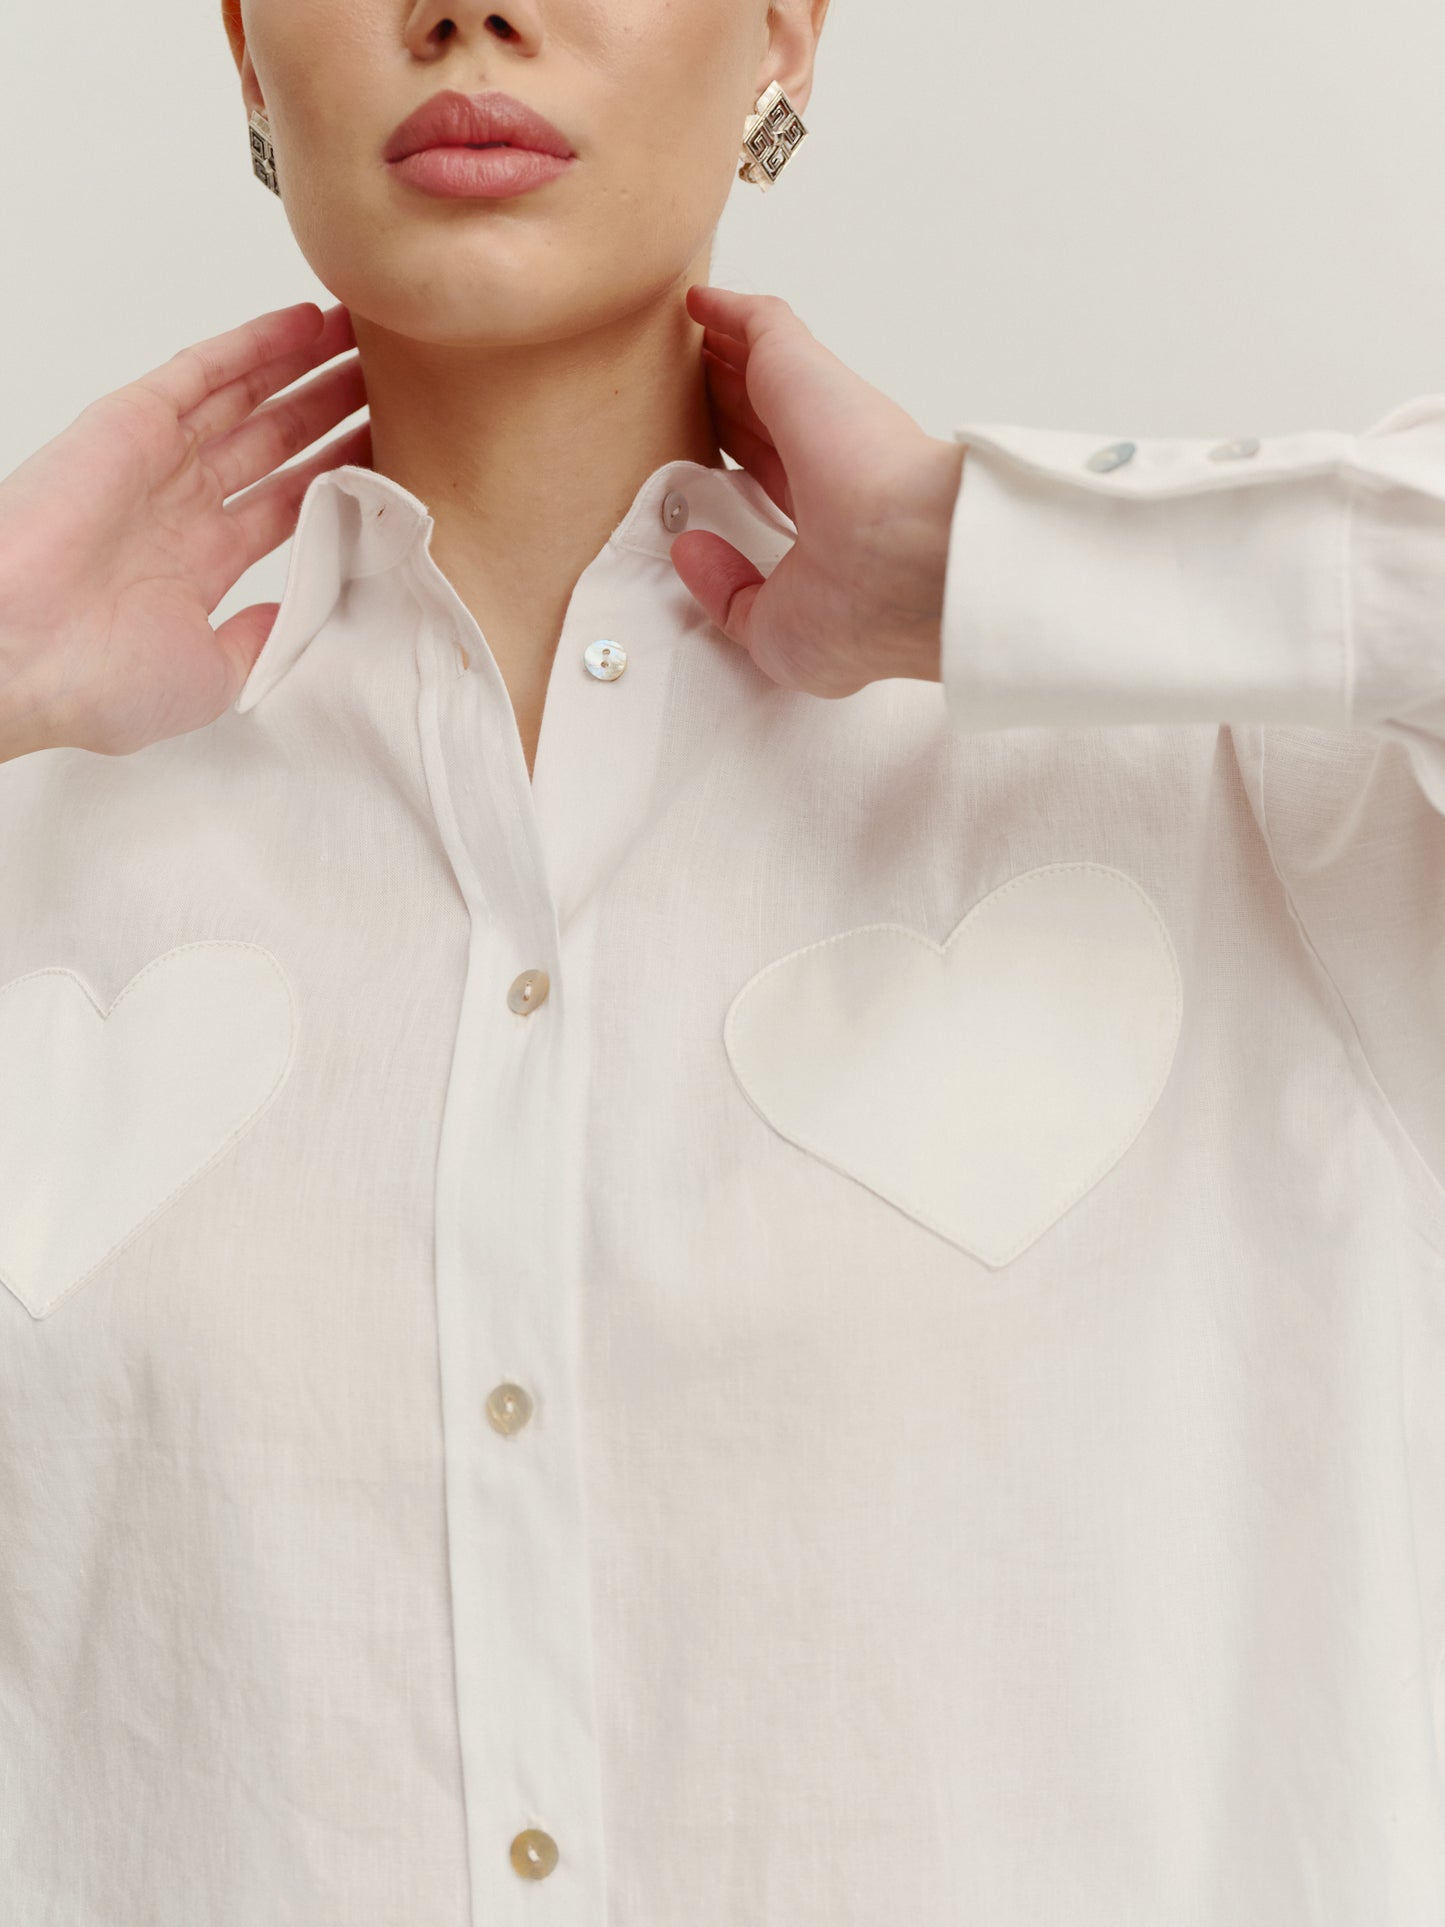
(106, 1116)
(982, 1085)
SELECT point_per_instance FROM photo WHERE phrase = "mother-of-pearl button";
(1114, 456)
(674, 510)
(534, 1853)
(605, 660)
(508, 1408)
(1235, 450)
(528, 991)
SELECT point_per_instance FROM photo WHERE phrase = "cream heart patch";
(982, 1085)
(106, 1116)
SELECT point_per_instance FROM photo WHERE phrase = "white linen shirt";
(831, 1314)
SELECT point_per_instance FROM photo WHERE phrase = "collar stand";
(355, 522)
(352, 522)
(727, 500)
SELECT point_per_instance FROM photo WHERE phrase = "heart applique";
(106, 1116)
(982, 1085)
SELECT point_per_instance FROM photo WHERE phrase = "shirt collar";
(354, 522)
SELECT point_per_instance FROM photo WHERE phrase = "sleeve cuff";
(1169, 582)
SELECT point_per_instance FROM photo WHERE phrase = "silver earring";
(771, 136)
(263, 150)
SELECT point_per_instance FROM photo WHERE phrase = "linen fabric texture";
(968, 1215)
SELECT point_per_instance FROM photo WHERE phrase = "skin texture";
(525, 406)
(120, 536)
(859, 595)
(527, 362)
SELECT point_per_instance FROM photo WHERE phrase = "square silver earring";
(263, 151)
(772, 135)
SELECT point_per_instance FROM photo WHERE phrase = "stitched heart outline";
(108, 1114)
(982, 1085)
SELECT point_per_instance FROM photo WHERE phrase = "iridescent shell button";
(1235, 451)
(674, 511)
(534, 1853)
(528, 991)
(508, 1408)
(605, 660)
(1114, 456)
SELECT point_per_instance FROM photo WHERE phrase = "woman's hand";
(118, 539)
(859, 595)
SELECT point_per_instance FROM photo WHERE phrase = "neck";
(529, 454)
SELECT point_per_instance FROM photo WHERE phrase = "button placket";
(605, 734)
(507, 1283)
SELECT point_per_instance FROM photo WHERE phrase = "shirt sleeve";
(1290, 590)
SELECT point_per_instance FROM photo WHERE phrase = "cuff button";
(1236, 450)
(1114, 456)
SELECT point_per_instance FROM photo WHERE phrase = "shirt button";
(606, 660)
(534, 1853)
(508, 1407)
(528, 991)
(1114, 456)
(674, 510)
(1236, 450)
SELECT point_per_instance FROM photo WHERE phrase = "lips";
(452, 119)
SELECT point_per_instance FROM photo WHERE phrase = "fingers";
(763, 463)
(745, 317)
(241, 638)
(743, 436)
(729, 391)
(282, 428)
(222, 410)
(720, 308)
(266, 515)
(722, 331)
(195, 372)
(720, 577)
(733, 324)
(727, 349)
